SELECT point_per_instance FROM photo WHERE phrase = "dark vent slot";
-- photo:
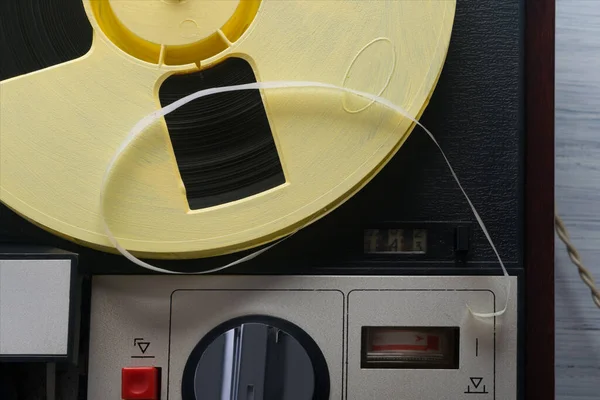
(36, 34)
(223, 143)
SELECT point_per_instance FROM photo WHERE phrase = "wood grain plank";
(578, 195)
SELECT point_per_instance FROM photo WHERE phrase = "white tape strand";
(145, 122)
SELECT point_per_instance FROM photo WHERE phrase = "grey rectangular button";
(34, 307)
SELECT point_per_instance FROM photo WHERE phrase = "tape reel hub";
(174, 32)
(173, 22)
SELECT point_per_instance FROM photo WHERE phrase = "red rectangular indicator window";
(410, 347)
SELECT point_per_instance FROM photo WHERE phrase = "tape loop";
(145, 122)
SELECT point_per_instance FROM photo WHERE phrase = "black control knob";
(256, 358)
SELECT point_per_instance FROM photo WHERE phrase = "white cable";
(151, 118)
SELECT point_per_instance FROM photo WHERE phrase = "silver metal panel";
(319, 313)
(172, 313)
(423, 308)
(34, 307)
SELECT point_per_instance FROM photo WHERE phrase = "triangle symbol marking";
(476, 382)
(144, 346)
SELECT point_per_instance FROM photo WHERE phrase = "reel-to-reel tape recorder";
(364, 271)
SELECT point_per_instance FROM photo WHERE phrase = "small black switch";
(461, 239)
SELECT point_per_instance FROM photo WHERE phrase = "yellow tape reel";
(60, 126)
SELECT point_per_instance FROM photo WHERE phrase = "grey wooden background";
(578, 195)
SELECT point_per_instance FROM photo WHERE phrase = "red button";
(140, 383)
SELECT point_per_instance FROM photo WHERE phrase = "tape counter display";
(395, 241)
